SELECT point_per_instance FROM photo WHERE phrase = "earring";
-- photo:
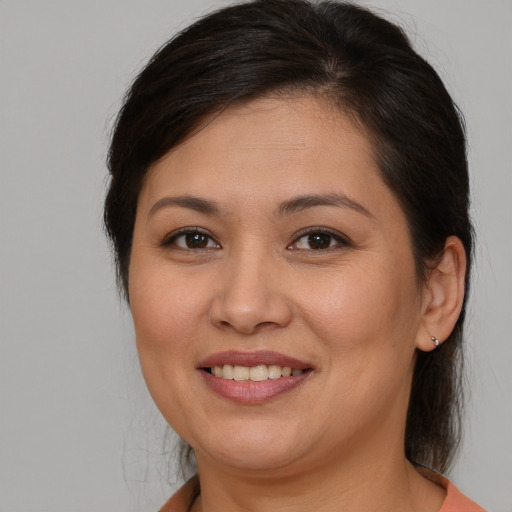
(435, 341)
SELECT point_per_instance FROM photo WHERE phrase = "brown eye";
(319, 241)
(316, 240)
(196, 241)
(192, 240)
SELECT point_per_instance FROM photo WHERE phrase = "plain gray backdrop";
(78, 431)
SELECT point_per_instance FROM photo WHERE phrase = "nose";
(250, 296)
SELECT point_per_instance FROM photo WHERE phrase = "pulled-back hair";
(366, 67)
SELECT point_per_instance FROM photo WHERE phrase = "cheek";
(361, 306)
(165, 304)
(167, 312)
(366, 318)
(366, 322)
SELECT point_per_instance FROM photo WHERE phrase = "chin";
(264, 448)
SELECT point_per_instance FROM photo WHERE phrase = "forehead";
(283, 142)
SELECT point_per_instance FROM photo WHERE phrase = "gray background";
(77, 429)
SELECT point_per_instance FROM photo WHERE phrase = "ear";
(443, 295)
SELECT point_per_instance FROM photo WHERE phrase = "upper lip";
(239, 358)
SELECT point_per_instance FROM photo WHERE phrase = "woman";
(289, 212)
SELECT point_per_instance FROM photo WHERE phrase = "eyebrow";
(193, 203)
(294, 205)
(304, 202)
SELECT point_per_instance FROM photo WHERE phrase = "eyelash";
(341, 241)
(170, 240)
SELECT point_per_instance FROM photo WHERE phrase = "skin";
(354, 311)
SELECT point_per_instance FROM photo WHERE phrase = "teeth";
(227, 371)
(258, 373)
(255, 373)
(241, 373)
(274, 371)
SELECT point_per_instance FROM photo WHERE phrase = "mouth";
(252, 378)
(259, 373)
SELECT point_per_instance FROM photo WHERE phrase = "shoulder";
(183, 498)
(457, 502)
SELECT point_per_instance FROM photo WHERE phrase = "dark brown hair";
(367, 67)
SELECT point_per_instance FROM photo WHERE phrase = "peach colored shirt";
(455, 501)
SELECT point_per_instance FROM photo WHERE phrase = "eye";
(318, 240)
(191, 239)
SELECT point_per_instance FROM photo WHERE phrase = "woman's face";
(268, 239)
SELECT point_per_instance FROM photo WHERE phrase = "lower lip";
(251, 392)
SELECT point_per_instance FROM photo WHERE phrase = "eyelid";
(170, 237)
(344, 240)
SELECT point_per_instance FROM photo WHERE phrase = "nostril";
(263, 324)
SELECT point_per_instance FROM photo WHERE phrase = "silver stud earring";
(435, 341)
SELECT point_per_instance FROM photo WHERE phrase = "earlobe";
(444, 296)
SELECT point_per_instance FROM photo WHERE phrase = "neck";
(376, 482)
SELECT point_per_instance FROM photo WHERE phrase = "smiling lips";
(254, 373)
(252, 377)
